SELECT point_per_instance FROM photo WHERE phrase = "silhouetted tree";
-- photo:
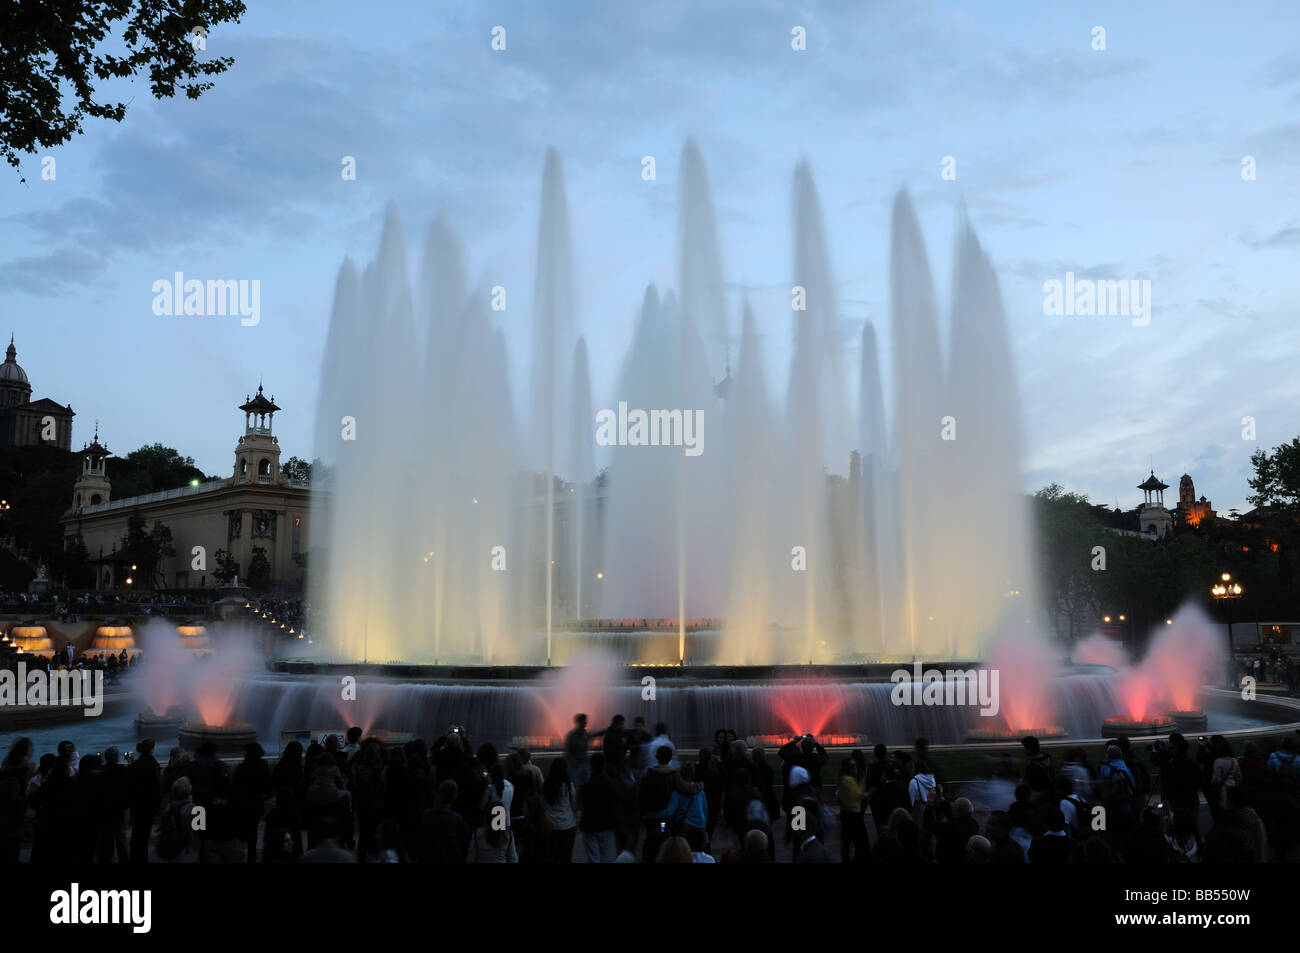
(50, 63)
(259, 570)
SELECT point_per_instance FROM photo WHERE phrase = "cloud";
(55, 273)
(1288, 237)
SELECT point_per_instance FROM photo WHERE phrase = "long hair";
(556, 779)
(18, 752)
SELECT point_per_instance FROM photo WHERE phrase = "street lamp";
(1226, 591)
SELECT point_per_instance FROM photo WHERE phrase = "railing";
(157, 497)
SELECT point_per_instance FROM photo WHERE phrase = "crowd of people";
(112, 664)
(634, 797)
(295, 612)
(1277, 668)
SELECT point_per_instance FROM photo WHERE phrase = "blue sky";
(1121, 163)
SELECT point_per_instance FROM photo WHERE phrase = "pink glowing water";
(1183, 656)
(1137, 693)
(1098, 649)
(807, 707)
(218, 678)
(585, 685)
(167, 669)
(1025, 664)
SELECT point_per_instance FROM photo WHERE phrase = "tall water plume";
(445, 531)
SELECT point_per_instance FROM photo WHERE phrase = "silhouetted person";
(144, 795)
(252, 786)
(444, 838)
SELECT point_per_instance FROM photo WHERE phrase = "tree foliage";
(259, 570)
(1277, 477)
(146, 548)
(55, 51)
(227, 567)
(150, 469)
(296, 469)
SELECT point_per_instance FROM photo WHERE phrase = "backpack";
(1038, 774)
(1082, 809)
(1287, 768)
(173, 834)
(923, 809)
(656, 791)
(1117, 788)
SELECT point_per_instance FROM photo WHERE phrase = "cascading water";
(438, 541)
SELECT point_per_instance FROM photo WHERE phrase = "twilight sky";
(1124, 163)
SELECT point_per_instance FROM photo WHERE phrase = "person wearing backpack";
(1283, 765)
(922, 792)
(1118, 793)
(1038, 773)
(1225, 774)
(1074, 808)
(653, 796)
(176, 842)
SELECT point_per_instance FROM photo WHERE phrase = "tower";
(92, 487)
(1186, 491)
(15, 388)
(257, 455)
(1153, 517)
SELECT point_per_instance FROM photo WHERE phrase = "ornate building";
(1153, 518)
(1190, 510)
(25, 422)
(256, 507)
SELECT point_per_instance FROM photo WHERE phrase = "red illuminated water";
(807, 707)
(1025, 664)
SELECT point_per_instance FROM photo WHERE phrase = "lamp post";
(1225, 591)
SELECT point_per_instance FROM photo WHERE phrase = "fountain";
(31, 639)
(768, 583)
(510, 540)
(111, 640)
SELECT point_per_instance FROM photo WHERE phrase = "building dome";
(10, 371)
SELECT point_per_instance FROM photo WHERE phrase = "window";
(264, 467)
(95, 499)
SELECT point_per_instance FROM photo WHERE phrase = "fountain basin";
(1123, 725)
(1007, 734)
(387, 738)
(229, 739)
(1190, 721)
(150, 724)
